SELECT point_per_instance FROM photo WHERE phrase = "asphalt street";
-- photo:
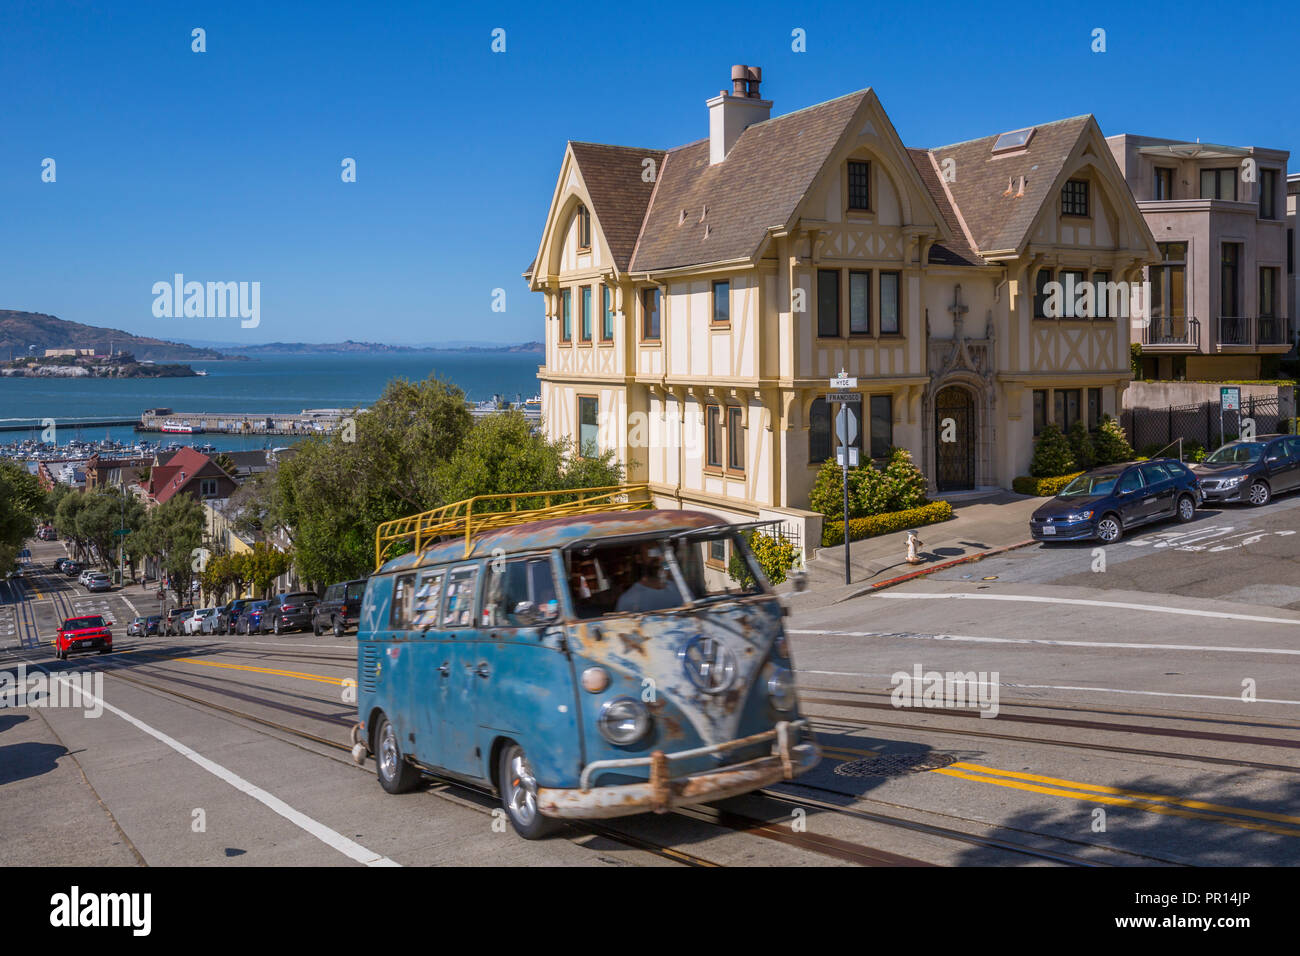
(1141, 709)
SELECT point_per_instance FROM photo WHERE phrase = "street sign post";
(1229, 401)
(846, 429)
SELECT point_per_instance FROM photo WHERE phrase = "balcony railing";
(1234, 330)
(1270, 331)
(1172, 330)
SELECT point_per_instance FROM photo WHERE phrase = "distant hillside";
(314, 348)
(18, 330)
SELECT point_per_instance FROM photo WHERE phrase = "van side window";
(426, 600)
(521, 594)
(399, 616)
(459, 609)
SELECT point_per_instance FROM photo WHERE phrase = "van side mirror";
(527, 614)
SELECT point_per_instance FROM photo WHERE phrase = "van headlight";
(623, 720)
(780, 688)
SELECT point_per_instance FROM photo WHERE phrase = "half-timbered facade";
(699, 299)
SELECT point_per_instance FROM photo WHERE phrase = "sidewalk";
(980, 524)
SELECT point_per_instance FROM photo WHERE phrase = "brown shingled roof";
(999, 222)
(959, 251)
(768, 171)
(619, 195)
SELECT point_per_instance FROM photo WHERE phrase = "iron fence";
(1199, 422)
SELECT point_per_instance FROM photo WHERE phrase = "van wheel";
(1260, 493)
(518, 789)
(1109, 528)
(395, 774)
(1186, 508)
(338, 628)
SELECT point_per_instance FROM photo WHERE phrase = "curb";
(965, 559)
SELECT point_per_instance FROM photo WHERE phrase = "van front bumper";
(663, 792)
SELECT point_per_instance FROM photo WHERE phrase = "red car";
(83, 634)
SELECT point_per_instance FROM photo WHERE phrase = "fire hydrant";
(912, 544)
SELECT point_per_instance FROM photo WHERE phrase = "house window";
(859, 185)
(566, 314)
(859, 303)
(717, 554)
(721, 302)
(1219, 183)
(1043, 277)
(588, 426)
(1099, 282)
(828, 303)
(1094, 408)
(584, 228)
(882, 425)
(1072, 281)
(1067, 407)
(208, 486)
(1169, 282)
(889, 303)
(713, 426)
(1268, 194)
(735, 438)
(650, 314)
(1040, 410)
(1074, 198)
(822, 443)
(1229, 280)
(1164, 183)
(607, 313)
(1268, 293)
(584, 312)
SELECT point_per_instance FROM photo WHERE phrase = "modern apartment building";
(699, 299)
(1219, 296)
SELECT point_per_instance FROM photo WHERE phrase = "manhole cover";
(895, 765)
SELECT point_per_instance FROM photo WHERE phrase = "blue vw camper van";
(587, 659)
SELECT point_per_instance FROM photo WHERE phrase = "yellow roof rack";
(481, 513)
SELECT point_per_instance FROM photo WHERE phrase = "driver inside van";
(654, 590)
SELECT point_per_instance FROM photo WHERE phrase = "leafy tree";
(21, 503)
(1111, 444)
(1081, 444)
(264, 564)
(173, 533)
(101, 514)
(1135, 359)
(65, 522)
(1052, 454)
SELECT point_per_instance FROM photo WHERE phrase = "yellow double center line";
(1121, 797)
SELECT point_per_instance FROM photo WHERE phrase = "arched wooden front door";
(954, 439)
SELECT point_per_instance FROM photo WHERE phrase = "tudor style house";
(1219, 300)
(699, 299)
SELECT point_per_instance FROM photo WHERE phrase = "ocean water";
(267, 383)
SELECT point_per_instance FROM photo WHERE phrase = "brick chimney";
(730, 113)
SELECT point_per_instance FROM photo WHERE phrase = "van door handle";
(483, 670)
(443, 669)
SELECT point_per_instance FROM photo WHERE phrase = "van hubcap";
(521, 788)
(388, 751)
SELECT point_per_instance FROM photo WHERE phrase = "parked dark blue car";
(1106, 502)
(250, 619)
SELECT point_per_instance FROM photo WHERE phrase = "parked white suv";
(194, 623)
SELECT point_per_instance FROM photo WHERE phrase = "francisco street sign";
(844, 398)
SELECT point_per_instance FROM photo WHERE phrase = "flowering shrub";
(774, 555)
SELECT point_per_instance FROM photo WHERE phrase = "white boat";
(180, 428)
(200, 371)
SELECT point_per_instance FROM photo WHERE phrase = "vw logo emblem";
(708, 664)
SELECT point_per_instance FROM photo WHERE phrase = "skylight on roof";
(1016, 139)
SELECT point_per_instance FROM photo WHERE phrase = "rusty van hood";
(703, 661)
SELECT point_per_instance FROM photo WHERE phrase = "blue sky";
(225, 165)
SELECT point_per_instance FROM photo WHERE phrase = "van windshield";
(659, 573)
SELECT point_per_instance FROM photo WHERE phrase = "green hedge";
(1042, 487)
(934, 512)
